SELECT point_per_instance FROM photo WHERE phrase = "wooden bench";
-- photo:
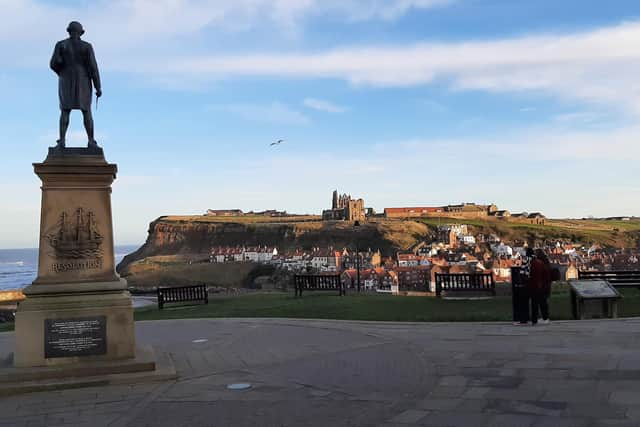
(182, 294)
(317, 282)
(465, 282)
(617, 278)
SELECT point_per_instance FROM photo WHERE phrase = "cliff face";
(195, 236)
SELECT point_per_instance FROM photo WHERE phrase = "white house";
(266, 254)
(251, 254)
(502, 250)
(467, 239)
(237, 254)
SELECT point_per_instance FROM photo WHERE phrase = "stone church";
(344, 208)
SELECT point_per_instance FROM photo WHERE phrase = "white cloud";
(128, 21)
(598, 66)
(151, 37)
(359, 10)
(322, 105)
(275, 113)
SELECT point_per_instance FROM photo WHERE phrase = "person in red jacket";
(540, 287)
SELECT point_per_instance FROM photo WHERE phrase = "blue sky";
(529, 105)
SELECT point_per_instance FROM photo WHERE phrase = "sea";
(19, 267)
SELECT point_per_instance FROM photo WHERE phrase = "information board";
(86, 336)
(594, 289)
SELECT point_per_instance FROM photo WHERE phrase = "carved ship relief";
(76, 238)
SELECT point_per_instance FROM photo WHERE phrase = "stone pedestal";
(78, 309)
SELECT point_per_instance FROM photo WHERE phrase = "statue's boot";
(60, 143)
(92, 144)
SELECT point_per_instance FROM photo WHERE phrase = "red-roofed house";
(413, 278)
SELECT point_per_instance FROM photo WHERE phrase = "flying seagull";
(278, 142)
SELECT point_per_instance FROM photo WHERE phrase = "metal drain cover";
(239, 386)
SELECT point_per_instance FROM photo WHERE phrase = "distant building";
(414, 278)
(412, 212)
(467, 239)
(224, 212)
(366, 259)
(458, 229)
(571, 273)
(344, 208)
(536, 218)
(407, 259)
(470, 210)
(448, 235)
(502, 250)
(501, 214)
(388, 281)
(463, 210)
(269, 213)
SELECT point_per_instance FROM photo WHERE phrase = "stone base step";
(145, 367)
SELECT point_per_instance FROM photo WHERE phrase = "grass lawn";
(367, 307)
(371, 307)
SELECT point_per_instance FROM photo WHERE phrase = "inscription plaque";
(86, 336)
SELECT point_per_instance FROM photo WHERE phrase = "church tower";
(334, 203)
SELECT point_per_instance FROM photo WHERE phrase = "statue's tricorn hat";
(75, 27)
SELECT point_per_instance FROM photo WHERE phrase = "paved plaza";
(340, 373)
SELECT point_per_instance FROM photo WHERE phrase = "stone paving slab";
(340, 373)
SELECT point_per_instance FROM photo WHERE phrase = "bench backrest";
(452, 282)
(615, 277)
(317, 282)
(182, 294)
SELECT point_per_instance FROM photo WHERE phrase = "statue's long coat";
(75, 64)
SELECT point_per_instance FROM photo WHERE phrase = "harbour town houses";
(261, 254)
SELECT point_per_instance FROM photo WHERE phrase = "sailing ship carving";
(77, 237)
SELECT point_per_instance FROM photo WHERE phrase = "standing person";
(540, 287)
(523, 297)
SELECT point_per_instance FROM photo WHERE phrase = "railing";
(317, 282)
(455, 282)
(182, 294)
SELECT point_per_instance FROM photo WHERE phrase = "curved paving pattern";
(338, 373)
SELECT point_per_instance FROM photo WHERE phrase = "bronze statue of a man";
(75, 64)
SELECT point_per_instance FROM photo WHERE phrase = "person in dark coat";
(540, 287)
(522, 295)
(75, 64)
